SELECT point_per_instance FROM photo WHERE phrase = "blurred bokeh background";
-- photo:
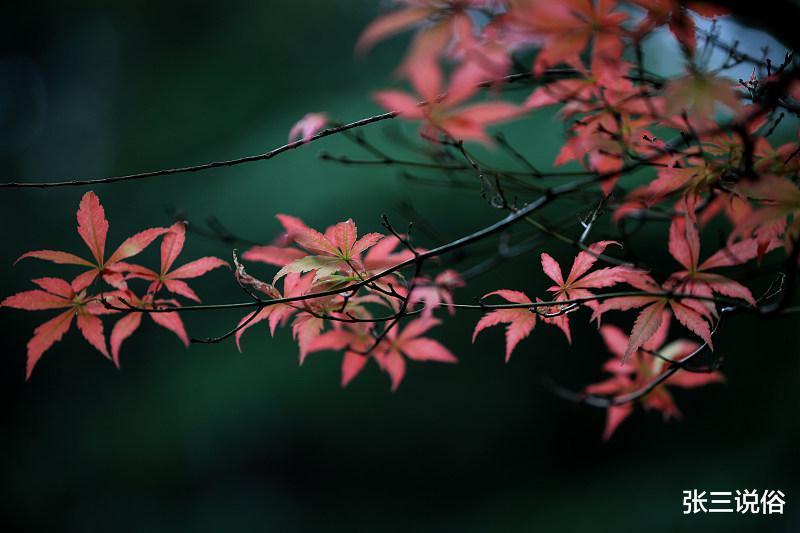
(209, 439)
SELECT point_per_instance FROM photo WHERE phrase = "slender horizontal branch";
(550, 74)
(258, 157)
(478, 307)
(601, 297)
(205, 166)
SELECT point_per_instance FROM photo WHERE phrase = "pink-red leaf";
(645, 326)
(35, 300)
(308, 126)
(551, 267)
(45, 336)
(684, 243)
(586, 259)
(124, 328)
(197, 268)
(91, 328)
(422, 349)
(615, 416)
(172, 321)
(62, 258)
(135, 244)
(693, 321)
(171, 245)
(92, 225)
(352, 364)
(273, 255)
(391, 24)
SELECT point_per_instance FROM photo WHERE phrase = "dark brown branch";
(481, 306)
(205, 166)
(258, 157)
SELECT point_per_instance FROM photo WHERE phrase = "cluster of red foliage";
(312, 262)
(115, 273)
(346, 293)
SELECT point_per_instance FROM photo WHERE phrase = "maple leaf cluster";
(614, 107)
(696, 151)
(104, 289)
(345, 319)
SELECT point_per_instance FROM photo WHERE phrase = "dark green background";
(211, 440)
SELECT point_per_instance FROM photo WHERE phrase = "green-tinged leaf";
(325, 266)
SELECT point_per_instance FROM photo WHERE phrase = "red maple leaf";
(127, 325)
(684, 246)
(338, 249)
(384, 255)
(615, 117)
(172, 280)
(445, 114)
(93, 228)
(634, 372)
(294, 285)
(308, 126)
(397, 345)
(565, 28)
(578, 281)
(520, 321)
(377, 257)
(450, 16)
(695, 315)
(55, 293)
(436, 292)
(601, 142)
(354, 339)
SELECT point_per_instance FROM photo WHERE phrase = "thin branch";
(258, 157)
(205, 166)
(480, 306)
